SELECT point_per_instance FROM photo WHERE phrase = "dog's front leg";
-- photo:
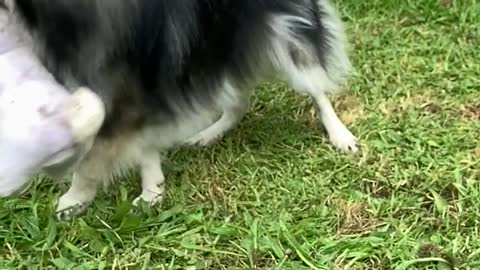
(78, 198)
(153, 180)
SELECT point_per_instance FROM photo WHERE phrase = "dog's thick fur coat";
(181, 72)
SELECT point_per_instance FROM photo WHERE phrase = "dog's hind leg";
(313, 82)
(153, 180)
(316, 64)
(339, 135)
(234, 105)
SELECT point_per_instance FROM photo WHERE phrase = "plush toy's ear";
(87, 113)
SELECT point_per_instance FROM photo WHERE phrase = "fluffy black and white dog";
(180, 72)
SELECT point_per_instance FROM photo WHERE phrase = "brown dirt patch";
(349, 109)
(400, 105)
(354, 218)
(471, 112)
(445, 3)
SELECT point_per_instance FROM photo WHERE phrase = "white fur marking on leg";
(77, 199)
(338, 133)
(153, 180)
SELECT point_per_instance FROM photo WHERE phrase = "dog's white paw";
(151, 197)
(204, 138)
(344, 140)
(70, 206)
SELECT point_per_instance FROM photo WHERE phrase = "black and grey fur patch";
(148, 57)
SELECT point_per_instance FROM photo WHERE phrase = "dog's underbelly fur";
(110, 157)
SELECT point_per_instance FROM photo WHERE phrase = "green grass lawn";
(274, 194)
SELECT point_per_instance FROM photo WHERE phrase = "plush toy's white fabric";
(41, 123)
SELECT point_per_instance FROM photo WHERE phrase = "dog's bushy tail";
(311, 47)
